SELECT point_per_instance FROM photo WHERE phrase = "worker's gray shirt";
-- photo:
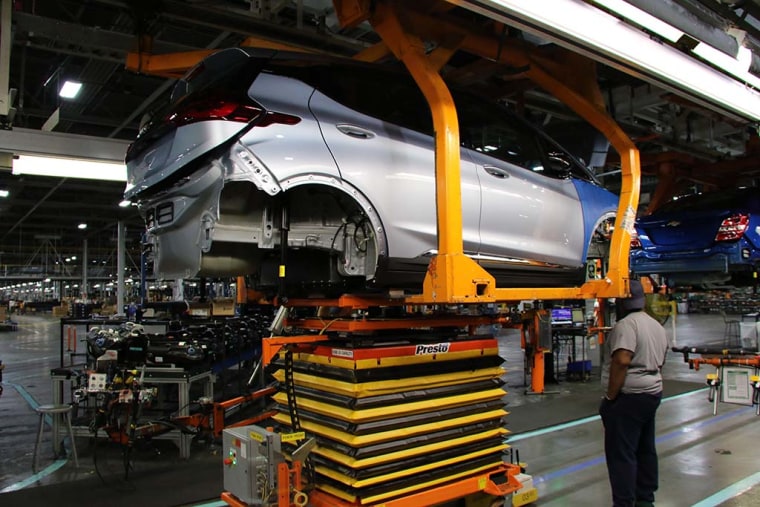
(646, 338)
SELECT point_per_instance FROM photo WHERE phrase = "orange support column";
(538, 371)
(241, 292)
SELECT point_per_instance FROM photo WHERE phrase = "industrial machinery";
(256, 471)
(370, 387)
(736, 378)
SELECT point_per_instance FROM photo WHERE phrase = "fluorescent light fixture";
(82, 226)
(737, 67)
(69, 168)
(125, 203)
(70, 89)
(588, 30)
(642, 18)
(4, 193)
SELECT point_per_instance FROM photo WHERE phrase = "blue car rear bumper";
(728, 259)
(716, 263)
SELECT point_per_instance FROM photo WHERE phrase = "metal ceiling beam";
(64, 33)
(82, 119)
(5, 56)
(58, 144)
(683, 19)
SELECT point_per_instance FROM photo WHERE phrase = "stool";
(732, 331)
(54, 411)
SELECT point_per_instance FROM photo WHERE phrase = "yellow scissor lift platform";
(413, 416)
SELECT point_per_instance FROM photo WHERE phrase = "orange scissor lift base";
(499, 482)
(441, 432)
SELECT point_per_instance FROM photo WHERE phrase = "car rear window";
(708, 201)
(381, 93)
(232, 69)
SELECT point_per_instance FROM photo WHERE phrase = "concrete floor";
(705, 460)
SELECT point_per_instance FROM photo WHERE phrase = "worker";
(634, 354)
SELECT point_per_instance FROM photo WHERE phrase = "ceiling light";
(642, 18)
(125, 203)
(4, 193)
(82, 226)
(590, 31)
(70, 89)
(69, 168)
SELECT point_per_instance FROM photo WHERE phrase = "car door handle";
(496, 172)
(355, 132)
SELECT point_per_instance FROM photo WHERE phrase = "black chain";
(290, 390)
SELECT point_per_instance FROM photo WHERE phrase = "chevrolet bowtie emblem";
(673, 223)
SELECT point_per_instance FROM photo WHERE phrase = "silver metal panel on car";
(175, 150)
(395, 167)
(527, 215)
(288, 150)
(178, 243)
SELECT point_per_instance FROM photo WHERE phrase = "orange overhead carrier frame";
(405, 28)
(453, 277)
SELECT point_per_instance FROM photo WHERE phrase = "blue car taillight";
(733, 227)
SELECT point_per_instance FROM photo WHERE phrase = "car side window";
(497, 133)
(387, 96)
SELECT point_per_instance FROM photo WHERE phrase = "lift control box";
(251, 456)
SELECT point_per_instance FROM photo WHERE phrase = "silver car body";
(355, 192)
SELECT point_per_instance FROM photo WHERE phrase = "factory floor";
(705, 459)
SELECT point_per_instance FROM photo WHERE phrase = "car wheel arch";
(301, 194)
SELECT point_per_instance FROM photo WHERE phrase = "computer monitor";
(578, 317)
(562, 316)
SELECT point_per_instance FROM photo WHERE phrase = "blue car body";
(703, 239)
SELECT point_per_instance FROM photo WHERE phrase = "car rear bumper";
(180, 223)
(716, 263)
(733, 258)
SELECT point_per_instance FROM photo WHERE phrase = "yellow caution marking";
(343, 495)
(407, 453)
(395, 434)
(380, 413)
(379, 387)
(292, 437)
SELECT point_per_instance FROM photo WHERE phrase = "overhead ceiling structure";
(680, 76)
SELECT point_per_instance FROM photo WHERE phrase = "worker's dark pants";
(629, 447)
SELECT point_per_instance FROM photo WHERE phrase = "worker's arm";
(621, 360)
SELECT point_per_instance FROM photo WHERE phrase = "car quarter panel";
(394, 167)
(288, 151)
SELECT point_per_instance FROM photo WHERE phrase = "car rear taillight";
(229, 109)
(635, 241)
(215, 108)
(732, 228)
